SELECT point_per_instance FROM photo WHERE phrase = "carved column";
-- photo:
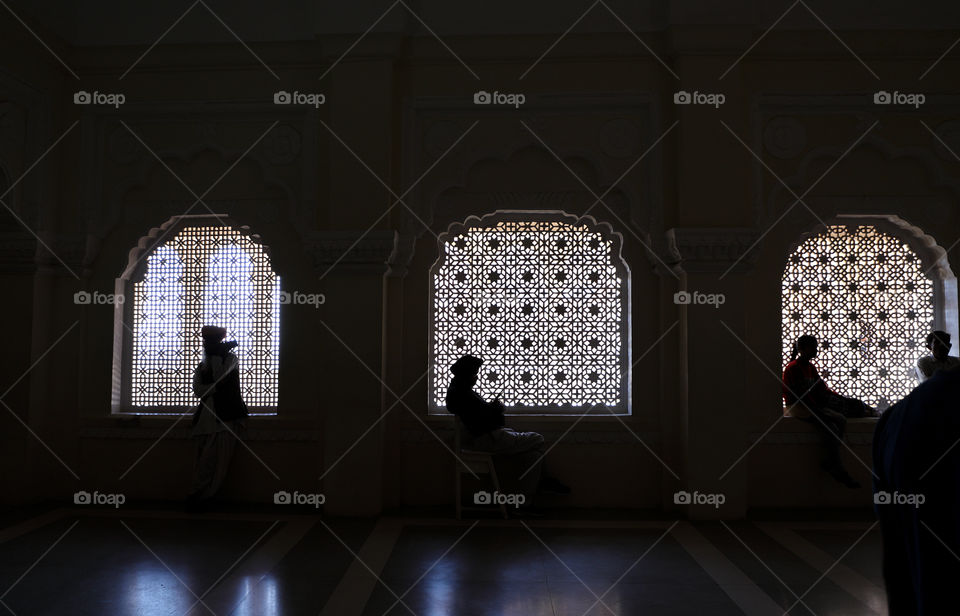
(52, 412)
(714, 421)
(349, 367)
(17, 264)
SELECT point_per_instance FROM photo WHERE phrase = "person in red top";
(809, 399)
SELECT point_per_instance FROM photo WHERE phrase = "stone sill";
(792, 431)
(149, 426)
(516, 418)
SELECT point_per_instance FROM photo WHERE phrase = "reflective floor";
(143, 562)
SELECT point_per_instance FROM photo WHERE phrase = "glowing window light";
(543, 304)
(204, 275)
(864, 295)
(228, 295)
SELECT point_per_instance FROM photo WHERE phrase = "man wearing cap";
(518, 454)
(939, 359)
(220, 416)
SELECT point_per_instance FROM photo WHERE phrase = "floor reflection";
(153, 590)
(446, 596)
(259, 597)
(150, 589)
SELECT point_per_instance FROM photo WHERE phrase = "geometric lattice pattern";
(542, 304)
(864, 295)
(210, 275)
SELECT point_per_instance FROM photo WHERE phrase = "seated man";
(939, 359)
(519, 455)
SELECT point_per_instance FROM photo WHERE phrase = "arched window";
(203, 273)
(544, 299)
(870, 300)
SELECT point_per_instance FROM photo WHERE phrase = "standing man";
(220, 416)
(939, 359)
(917, 470)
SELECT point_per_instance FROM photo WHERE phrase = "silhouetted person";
(517, 453)
(220, 417)
(914, 453)
(479, 417)
(809, 399)
(938, 343)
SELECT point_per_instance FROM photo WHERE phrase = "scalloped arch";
(497, 216)
(136, 263)
(930, 252)
(252, 308)
(838, 294)
(606, 358)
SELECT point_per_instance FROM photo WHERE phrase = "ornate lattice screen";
(864, 295)
(209, 275)
(544, 303)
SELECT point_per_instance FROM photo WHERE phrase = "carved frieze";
(713, 249)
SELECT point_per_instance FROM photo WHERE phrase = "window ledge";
(791, 431)
(524, 418)
(594, 434)
(857, 424)
(140, 426)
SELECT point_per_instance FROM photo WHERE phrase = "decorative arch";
(870, 288)
(544, 298)
(586, 160)
(140, 171)
(148, 165)
(189, 272)
(932, 168)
